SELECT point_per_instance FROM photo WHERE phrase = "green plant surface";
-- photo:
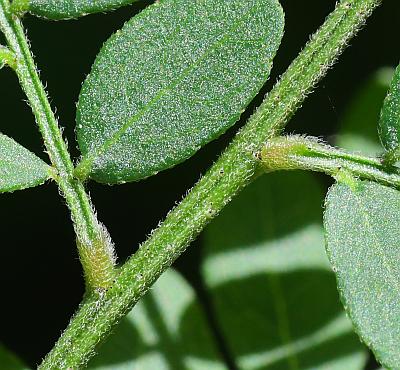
(235, 169)
(310, 153)
(357, 131)
(7, 57)
(20, 168)
(94, 244)
(362, 232)
(66, 9)
(291, 317)
(9, 361)
(166, 330)
(389, 123)
(175, 77)
(245, 249)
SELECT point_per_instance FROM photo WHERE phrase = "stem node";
(19, 7)
(308, 153)
(95, 246)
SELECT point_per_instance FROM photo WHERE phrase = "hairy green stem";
(307, 153)
(232, 172)
(95, 247)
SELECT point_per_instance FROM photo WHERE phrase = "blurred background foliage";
(257, 276)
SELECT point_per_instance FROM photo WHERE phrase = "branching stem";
(231, 173)
(94, 244)
(307, 153)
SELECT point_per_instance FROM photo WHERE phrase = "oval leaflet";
(66, 9)
(389, 123)
(175, 77)
(20, 168)
(363, 234)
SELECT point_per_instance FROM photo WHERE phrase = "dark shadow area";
(320, 354)
(281, 204)
(250, 316)
(214, 325)
(372, 363)
(251, 324)
(154, 332)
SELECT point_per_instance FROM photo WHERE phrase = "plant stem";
(95, 247)
(231, 173)
(307, 153)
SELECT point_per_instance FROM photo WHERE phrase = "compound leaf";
(66, 9)
(363, 244)
(20, 168)
(175, 77)
(389, 123)
(274, 295)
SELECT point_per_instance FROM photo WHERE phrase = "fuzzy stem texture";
(308, 153)
(94, 245)
(237, 166)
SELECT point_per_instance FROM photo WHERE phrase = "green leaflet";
(4, 52)
(166, 330)
(389, 124)
(20, 168)
(357, 131)
(269, 281)
(66, 9)
(363, 244)
(175, 77)
(8, 360)
(7, 57)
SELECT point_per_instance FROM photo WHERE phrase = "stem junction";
(309, 153)
(94, 244)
